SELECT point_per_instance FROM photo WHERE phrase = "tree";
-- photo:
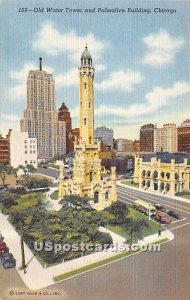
(4, 171)
(34, 183)
(119, 210)
(135, 229)
(8, 200)
(74, 201)
(30, 169)
(24, 215)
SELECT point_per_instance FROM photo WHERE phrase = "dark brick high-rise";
(184, 137)
(64, 115)
(147, 138)
(5, 149)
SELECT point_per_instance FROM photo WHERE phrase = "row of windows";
(31, 162)
(31, 152)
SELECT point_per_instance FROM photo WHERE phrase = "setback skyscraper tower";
(40, 118)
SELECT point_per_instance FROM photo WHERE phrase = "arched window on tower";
(84, 121)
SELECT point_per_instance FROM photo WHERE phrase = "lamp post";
(149, 211)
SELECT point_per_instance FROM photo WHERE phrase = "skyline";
(144, 80)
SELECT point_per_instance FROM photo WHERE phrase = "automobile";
(162, 218)
(175, 215)
(8, 261)
(3, 248)
(159, 207)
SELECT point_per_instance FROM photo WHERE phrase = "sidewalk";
(38, 277)
(154, 193)
(52, 204)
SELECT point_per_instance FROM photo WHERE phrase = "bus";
(144, 207)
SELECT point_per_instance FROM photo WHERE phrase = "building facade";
(165, 139)
(147, 138)
(124, 145)
(87, 170)
(23, 150)
(40, 118)
(61, 142)
(136, 146)
(64, 116)
(5, 149)
(184, 136)
(163, 173)
(104, 135)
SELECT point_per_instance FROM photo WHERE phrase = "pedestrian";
(159, 232)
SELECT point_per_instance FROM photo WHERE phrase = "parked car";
(175, 215)
(3, 248)
(162, 218)
(8, 261)
(159, 207)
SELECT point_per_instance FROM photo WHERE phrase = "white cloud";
(18, 91)
(10, 118)
(52, 42)
(100, 67)
(75, 112)
(155, 100)
(8, 121)
(71, 78)
(162, 48)
(120, 80)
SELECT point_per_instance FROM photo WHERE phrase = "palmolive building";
(40, 118)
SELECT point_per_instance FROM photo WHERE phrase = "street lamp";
(149, 210)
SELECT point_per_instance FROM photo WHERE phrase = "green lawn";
(54, 195)
(130, 183)
(186, 196)
(136, 215)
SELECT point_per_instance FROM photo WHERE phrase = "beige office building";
(165, 139)
(40, 118)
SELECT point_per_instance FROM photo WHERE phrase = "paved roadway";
(163, 275)
(48, 172)
(128, 195)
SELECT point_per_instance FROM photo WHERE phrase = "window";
(26, 152)
(84, 121)
(91, 176)
(25, 161)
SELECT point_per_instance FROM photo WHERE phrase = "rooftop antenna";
(40, 63)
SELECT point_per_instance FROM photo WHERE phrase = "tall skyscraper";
(184, 136)
(165, 138)
(147, 138)
(40, 118)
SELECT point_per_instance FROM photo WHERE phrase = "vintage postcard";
(94, 150)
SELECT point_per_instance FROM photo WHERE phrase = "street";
(146, 276)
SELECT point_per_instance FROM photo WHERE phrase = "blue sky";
(141, 60)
